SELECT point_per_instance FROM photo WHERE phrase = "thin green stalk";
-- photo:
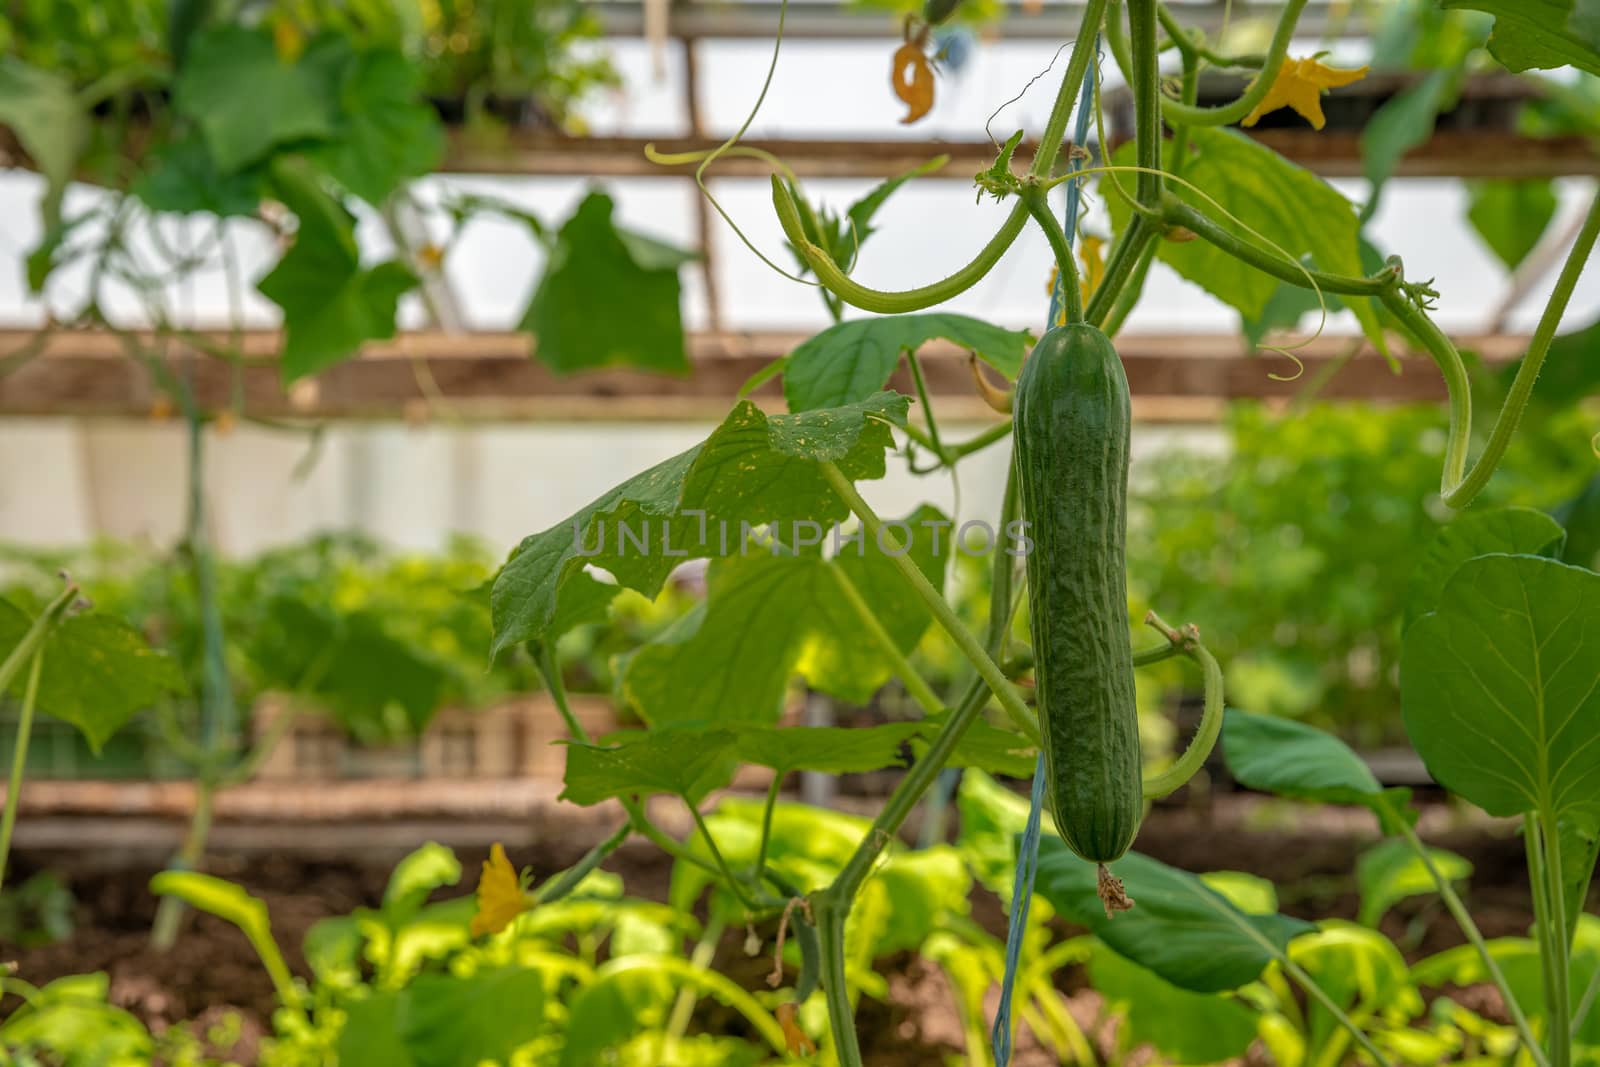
(1191, 45)
(885, 302)
(1121, 264)
(773, 792)
(1458, 911)
(943, 614)
(1559, 999)
(921, 384)
(1533, 843)
(638, 818)
(565, 882)
(1313, 990)
(1189, 91)
(705, 950)
(1538, 347)
(998, 432)
(920, 436)
(1225, 114)
(1055, 128)
(19, 760)
(734, 884)
(832, 905)
(1581, 1014)
(1071, 294)
(1176, 212)
(916, 685)
(1205, 738)
(164, 931)
(1131, 292)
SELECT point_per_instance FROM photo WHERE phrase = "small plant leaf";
(708, 668)
(1291, 759)
(98, 671)
(683, 761)
(1390, 871)
(831, 750)
(848, 362)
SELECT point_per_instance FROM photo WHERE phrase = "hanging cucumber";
(1071, 416)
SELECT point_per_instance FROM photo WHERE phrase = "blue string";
(1028, 846)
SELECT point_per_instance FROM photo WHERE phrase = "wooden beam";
(543, 154)
(493, 376)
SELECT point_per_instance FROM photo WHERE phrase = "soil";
(213, 970)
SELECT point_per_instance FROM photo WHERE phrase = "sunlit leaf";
(753, 469)
(684, 762)
(708, 668)
(849, 361)
(97, 672)
(1390, 871)
(1536, 34)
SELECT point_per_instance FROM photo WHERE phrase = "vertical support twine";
(1028, 845)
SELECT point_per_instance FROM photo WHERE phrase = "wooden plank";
(492, 376)
(1053, 20)
(536, 153)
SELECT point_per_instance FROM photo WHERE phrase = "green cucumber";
(1071, 415)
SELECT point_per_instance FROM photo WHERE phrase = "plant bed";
(213, 970)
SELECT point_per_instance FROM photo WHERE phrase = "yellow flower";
(500, 896)
(287, 40)
(1300, 84)
(913, 80)
(1092, 254)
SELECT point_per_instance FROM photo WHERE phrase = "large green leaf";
(46, 118)
(831, 750)
(1291, 759)
(684, 762)
(1390, 871)
(1301, 213)
(331, 303)
(753, 469)
(1478, 533)
(990, 748)
(1179, 927)
(1499, 689)
(385, 132)
(851, 360)
(607, 1011)
(607, 298)
(1186, 1027)
(98, 671)
(447, 1021)
(246, 99)
(1511, 214)
(1535, 34)
(768, 617)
